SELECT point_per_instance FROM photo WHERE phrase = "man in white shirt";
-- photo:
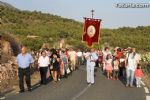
(43, 63)
(132, 62)
(91, 58)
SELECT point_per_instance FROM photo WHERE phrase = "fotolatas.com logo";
(132, 5)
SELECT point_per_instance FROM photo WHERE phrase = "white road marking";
(146, 90)
(2, 98)
(83, 91)
(143, 83)
(147, 97)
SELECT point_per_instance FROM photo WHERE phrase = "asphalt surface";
(76, 88)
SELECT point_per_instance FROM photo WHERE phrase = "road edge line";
(147, 97)
(146, 90)
(2, 98)
(143, 83)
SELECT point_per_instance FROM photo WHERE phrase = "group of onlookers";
(122, 63)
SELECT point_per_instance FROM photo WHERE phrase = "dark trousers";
(24, 73)
(43, 72)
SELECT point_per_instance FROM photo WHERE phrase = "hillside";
(7, 5)
(48, 28)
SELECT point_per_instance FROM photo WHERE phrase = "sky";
(112, 17)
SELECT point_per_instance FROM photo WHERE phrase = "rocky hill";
(7, 5)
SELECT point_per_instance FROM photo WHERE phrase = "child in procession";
(108, 65)
(115, 68)
(138, 75)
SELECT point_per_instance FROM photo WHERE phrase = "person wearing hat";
(91, 58)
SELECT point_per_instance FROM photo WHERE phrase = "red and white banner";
(91, 31)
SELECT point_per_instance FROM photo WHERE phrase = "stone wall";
(8, 66)
(5, 51)
(8, 75)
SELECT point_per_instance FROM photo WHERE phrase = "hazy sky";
(106, 10)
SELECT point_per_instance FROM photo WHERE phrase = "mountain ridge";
(7, 5)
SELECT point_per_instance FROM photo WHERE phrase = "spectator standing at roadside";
(108, 66)
(138, 75)
(132, 62)
(105, 53)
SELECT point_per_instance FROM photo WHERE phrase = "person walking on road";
(91, 58)
(43, 63)
(24, 59)
(55, 62)
(64, 59)
(72, 58)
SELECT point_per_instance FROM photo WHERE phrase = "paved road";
(75, 88)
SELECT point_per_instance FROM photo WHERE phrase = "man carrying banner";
(91, 35)
(91, 58)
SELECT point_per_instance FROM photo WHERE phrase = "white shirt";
(90, 57)
(105, 54)
(122, 60)
(116, 65)
(43, 61)
(72, 55)
(132, 62)
(87, 54)
(79, 54)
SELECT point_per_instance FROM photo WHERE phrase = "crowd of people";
(121, 63)
(58, 62)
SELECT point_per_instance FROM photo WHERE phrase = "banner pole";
(92, 11)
